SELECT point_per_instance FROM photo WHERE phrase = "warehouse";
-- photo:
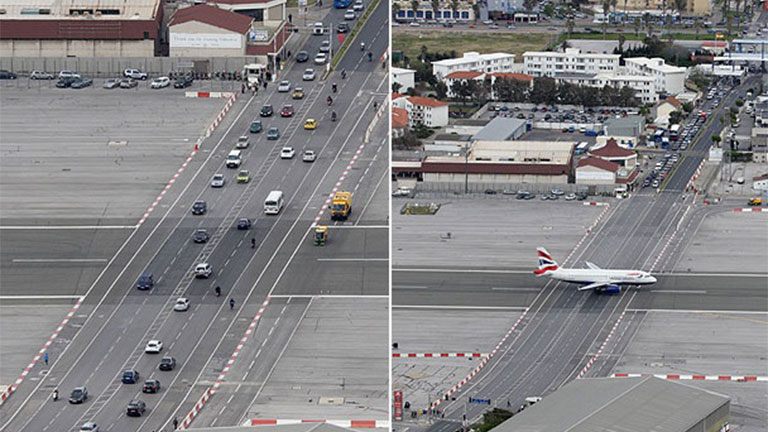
(638, 404)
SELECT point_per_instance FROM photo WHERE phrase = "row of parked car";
(130, 79)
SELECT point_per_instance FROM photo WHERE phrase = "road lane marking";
(719, 311)
(679, 291)
(39, 297)
(66, 227)
(329, 296)
(449, 307)
(515, 289)
(353, 259)
(58, 260)
(410, 287)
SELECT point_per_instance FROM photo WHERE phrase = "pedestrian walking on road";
(242, 88)
(175, 423)
(45, 359)
(253, 243)
(231, 304)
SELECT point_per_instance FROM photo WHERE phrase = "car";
(266, 111)
(183, 82)
(200, 236)
(414, 24)
(153, 347)
(655, 183)
(65, 82)
(570, 197)
(342, 28)
(81, 83)
(309, 156)
(273, 133)
(167, 363)
(128, 83)
(310, 124)
(244, 176)
(111, 83)
(284, 86)
(151, 386)
(40, 75)
(302, 56)
(321, 58)
(136, 408)
(243, 224)
(287, 153)
(350, 15)
(203, 271)
(68, 74)
(199, 207)
(287, 111)
(78, 395)
(581, 196)
(298, 93)
(160, 82)
(255, 127)
(318, 28)
(545, 197)
(218, 181)
(130, 376)
(402, 192)
(358, 6)
(325, 46)
(242, 142)
(145, 281)
(557, 192)
(89, 427)
(511, 27)
(309, 75)
(135, 74)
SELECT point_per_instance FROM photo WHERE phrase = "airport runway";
(117, 320)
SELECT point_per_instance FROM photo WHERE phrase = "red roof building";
(213, 16)
(464, 75)
(612, 152)
(399, 122)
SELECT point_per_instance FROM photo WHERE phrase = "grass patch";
(640, 36)
(436, 41)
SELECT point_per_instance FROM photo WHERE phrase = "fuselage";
(617, 277)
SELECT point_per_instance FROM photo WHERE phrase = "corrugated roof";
(60, 9)
(500, 129)
(214, 16)
(639, 404)
(482, 167)
(598, 163)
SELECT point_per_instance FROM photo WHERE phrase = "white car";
(285, 86)
(325, 46)
(203, 271)
(153, 347)
(89, 427)
(135, 74)
(242, 142)
(318, 28)
(401, 192)
(570, 197)
(350, 15)
(68, 74)
(161, 82)
(358, 6)
(181, 305)
(218, 180)
(309, 75)
(287, 153)
(37, 75)
(309, 156)
(321, 58)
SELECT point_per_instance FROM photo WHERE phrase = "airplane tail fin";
(546, 263)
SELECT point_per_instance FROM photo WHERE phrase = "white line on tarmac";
(700, 311)
(359, 226)
(66, 227)
(416, 287)
(500, 271)
(679, 291)
(521, 308)
(60, 260)
(39, 297)
(320, 296)
(353, 259)
(515, 289)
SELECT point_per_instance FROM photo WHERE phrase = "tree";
(622, 39)
(528, 5)
(396, 87)
(697, 26)
(395, 10)
(543, 91)
(455, 7)
(569, 25)
(435, 8)
(606, 10)
(675, 117)
(441, 90)
(414, 8)
(475, 11)
(638, 26)
(716, 138)
(648, 24)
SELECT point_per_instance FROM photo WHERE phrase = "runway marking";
(700, 311)
(500, 271)
(353, 259)
(447, 307)
(679, 291)
(515, 289)
(410, 287)
(40, 297)
(58, 260)
(359, 226)
(67, 227)
(439, 355)
(330, 296)
(342, 423)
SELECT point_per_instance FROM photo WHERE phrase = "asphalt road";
(118, 320)
(564, 326)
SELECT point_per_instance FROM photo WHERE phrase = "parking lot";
(571, 115)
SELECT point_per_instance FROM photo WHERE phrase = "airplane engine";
(611, 289)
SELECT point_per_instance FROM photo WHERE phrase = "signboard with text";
(205, 40)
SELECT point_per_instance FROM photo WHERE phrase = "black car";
(5, 74)
(65, 82)
(183, 82)
(302, 57)
(200, 236)
(130, 377)
(267, 111)
(342, 28)
(151, 386)
(199, 207)
(81, 83)
(244, 224)
(78, 395)
(136, 408)
(145, 281)
(168, 363)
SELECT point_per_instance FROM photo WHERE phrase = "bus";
(274, 202)
(674, 132)
(658, 135)
(341, 4)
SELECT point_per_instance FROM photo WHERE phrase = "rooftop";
(397, 70)
(425, 101)
(598, 163)
(214, 16)
(464, 75)
(512, 76)
(630, 125)
(499, 129)
(570, 52)
(473, 56)
(655, 63)
(399, 118)
(76, 10)
(611, 150)
(523, 152)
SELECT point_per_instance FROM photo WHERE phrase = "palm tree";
(622, 39)
(697, 26)
(606, 10)
(625, 9)
(648, 24)
(569, 25)
(395, 10)
(435, 8)
(476, 10)
(414, 7)
(455, 7)
(738, 17)
(638, 26)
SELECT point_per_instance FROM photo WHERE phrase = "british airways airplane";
(603, 280)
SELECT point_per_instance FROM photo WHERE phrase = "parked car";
(128, 83)
(135, 74)
(68, 74)
(81, 83)
(6, 74)
(160, 82)
(112, 83)
(38, 75)
(183, 82)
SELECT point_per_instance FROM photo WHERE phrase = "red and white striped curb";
(379, 113)
(430, 355)
(595, 203)
(211, 390)
(600, 350)
(482, 364)
(737, 378)
(221, 115)
(40, 353)
(748, 210)
(342, 423)
(205, 95)
(338, 185)
(692, 181)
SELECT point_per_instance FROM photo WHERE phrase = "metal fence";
(100, 67)
(510, 188)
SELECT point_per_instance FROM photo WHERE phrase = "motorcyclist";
(343, 73)
(362, 46)
(231, 304)
(218, 291)
(334, 87)
(55, 395)
(333, 115)
(375, 105)
(253, 243)
(370, 56)
(329, 100)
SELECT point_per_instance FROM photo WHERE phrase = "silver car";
(111, 83)
(285, 86)
(217, 181)
(309, 75)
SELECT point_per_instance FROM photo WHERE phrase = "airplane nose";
(653, 279)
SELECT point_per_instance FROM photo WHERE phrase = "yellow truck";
(755, 202)
(341, 206)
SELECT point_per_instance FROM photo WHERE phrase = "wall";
(76, 48)
(457, 188)
(194, 27)
(495, 179)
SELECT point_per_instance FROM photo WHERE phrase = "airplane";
(602, 280)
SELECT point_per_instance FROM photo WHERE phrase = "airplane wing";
(592, 266)
(593, 286)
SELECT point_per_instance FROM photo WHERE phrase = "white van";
(274, 202)
(234, 159)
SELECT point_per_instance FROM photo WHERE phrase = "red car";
(287, 111)
(151, 386)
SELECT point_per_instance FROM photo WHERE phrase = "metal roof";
(500, 129)
(299, 427)
(60, 9)
(639, 404)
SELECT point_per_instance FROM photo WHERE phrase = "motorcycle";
(333, 116)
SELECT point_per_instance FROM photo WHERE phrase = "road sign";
(398, 405)
(479, 401)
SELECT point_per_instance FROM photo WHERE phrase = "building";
(664, 108)
(667, 79)
(424, 111)
(642, 85)
(404, 12)
(593, 170)
(612, 152)
(638, 404)
(760, 183)
(263, 12)
(406, 78)
(458, 77)
(550, 63)
(635, 8)
(89, 28)
(473, 61)
(399, 122)
(501, 129)
(625, 130)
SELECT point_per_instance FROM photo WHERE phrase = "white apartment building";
(461, 76)
(643, 85)
(422, 110)
(473, 61)
(405, 77)
(546, 63)
(667, 79)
